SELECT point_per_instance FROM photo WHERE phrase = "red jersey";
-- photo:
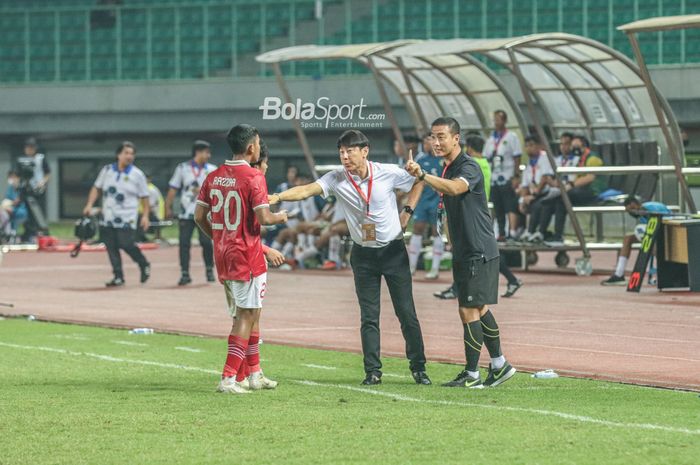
(233, 192)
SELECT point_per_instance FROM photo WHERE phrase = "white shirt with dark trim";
(383, 209)
(188, 179)
(121, 193)
(503, 160)
(532, 175)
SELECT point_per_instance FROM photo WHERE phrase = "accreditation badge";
(438, 223)
(369, 234)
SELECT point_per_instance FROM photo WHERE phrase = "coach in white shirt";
(123, 187)
(365, 192)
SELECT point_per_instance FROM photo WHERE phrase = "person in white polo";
(365, 192)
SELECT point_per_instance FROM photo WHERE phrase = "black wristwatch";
(408, 209)
(422, 175)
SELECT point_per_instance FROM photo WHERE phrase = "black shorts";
(477, 282)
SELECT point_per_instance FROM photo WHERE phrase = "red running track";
(559, 321)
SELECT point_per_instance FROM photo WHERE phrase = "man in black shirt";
(474, 252)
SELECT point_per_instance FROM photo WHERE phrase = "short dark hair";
(353, 138)
(448, 121)
(12, 173)
(476, 142)
(124, 145)
(568, 134)
(199, 144)
(412, 139)
(264, 154)
(503, 114)
(532, 138)
(632, 199)
(582, 138)
(240, 136)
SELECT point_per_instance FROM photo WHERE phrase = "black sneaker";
(499, 376)
(447, 294)
(464, 380)
(184, 279)
(614, 281)
(116, 282)
(421, 377)
(513, 288)
(145, 272)
(372, 379)
(210, 275)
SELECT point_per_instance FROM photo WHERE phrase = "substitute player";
(474, 251)
(236, 197)
(187, 179)
(425, 215)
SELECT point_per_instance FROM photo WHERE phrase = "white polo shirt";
(501, 152)
(121, 192)
(188, 179)
(383, 210)
(532, 175)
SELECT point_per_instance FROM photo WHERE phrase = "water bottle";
(545, 374)
(141, 331)
(652, 277)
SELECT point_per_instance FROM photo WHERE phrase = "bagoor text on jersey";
(224, 182)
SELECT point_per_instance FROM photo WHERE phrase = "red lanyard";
(498, 142)
(196, 173)
(369, 186)
(444, 170)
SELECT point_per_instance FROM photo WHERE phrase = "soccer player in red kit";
(235, 195)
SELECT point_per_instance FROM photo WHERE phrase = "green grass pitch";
(84, 395)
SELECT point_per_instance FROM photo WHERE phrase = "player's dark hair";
(475, 142)
(199, 145)
(412, 139)
(13, 173)
(448, 121)
(124, 145)
(568, 134)
(503, 114)
(239, 137)
(632, 199)
(353, 138)
(264, 154)
(583, 139)
(532, 138)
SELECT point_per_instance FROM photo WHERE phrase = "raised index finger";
(410, 154)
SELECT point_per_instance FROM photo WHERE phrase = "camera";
(25, 169)
(576, 152)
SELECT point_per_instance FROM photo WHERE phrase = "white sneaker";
(230, 385)
(536, 237)
(432, 275)
(526, 237)
(258, 381)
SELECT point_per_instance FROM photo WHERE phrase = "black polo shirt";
(468, 216)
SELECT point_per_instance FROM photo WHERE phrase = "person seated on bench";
(640, 210)
(582, 190)
(534, 188)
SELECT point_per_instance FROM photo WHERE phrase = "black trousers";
(368, 267)
(121, 238)
(185, 232)
(583, 195)
(504, 201)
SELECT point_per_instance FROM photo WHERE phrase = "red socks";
(237, 347)
(252, 354)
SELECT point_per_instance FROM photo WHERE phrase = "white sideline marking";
(109, 358)
(129, 343)
(391, 375)
(552, 413)
(75, 338)
(320, 367)
(319, 328)
(189, 349)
